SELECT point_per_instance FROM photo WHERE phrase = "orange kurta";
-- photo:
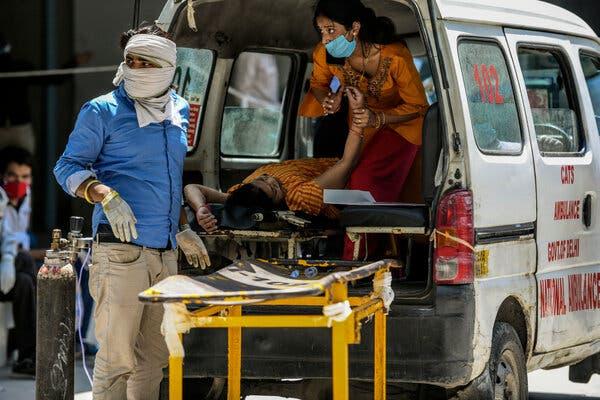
(395, 89)
(297, 177)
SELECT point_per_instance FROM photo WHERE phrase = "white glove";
(193, 248)
(7, 273)
(119, 215)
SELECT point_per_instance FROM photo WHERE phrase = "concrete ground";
(543, 385)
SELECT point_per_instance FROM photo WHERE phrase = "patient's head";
(264, 192)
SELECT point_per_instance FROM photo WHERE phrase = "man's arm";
(85, 143)
(198, 196)
(337, 176)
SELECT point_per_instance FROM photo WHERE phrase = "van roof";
(516, 13)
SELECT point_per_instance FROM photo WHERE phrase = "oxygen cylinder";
(56, 283)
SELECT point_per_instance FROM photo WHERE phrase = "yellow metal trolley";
(224, 293)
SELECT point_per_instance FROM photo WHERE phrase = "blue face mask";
(340, 47)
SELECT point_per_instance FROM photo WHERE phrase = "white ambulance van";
(510, 165)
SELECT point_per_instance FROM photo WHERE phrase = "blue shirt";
(145, 165)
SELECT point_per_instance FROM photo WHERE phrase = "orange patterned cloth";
(297, 177)
(395, 89)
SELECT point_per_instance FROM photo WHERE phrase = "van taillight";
(453, 257)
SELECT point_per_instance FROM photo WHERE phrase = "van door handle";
(587, 211)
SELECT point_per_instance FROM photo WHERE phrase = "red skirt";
(382, 170)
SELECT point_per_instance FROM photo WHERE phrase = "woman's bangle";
(377, 121)
(383, 118)
(87, 188)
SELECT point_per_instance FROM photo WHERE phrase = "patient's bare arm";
(337, 176)
(198, 196)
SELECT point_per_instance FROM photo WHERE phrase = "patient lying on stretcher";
(294, 184)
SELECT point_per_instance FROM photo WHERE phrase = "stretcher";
(218, 301)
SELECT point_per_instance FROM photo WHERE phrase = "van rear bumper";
(429, 344)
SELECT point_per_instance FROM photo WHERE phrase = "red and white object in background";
(192, 131)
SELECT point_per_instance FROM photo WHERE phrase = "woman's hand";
(356, 99)
(360, 114)
(331, 104)
(206, 220)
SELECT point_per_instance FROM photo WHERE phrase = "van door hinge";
(456, 142)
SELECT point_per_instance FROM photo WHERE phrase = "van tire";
(507, 365)
(505, 377)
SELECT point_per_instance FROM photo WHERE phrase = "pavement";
(543, 385)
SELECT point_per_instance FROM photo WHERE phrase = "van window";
(490, 97)
(591, 71)
(192, 79)
(552, 101)
(253, 116)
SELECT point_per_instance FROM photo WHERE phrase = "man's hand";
(119, 215)
(192, 246)
(206, 219)
(7, 273)
(332, 103)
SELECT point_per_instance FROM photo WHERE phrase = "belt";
(104, 235)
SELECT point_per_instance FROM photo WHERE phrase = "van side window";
(253, 116)
(490, 96)
(591, 71)
(552, 101)
(192, 80)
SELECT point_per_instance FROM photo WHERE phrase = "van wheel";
(505, 377)
(507, 366)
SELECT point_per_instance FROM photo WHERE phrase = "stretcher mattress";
(253, 281)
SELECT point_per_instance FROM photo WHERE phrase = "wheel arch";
(513, 312)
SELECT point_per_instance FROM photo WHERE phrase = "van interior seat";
(384, 216)
(410, 215)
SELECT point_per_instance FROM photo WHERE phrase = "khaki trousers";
(132, 351)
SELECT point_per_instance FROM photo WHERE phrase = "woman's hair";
(145, 27)
(248, 196)
(373, 29)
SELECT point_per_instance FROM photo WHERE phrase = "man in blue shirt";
(125, 155)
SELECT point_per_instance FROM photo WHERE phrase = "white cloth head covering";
(149, 87)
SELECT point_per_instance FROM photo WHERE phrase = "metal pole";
(136, 14)
(51, 114)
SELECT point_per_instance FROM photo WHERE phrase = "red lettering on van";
(552, 297)
(567, 174)
(488, 80)
(569, 209)
(563, 249)
(584, 292)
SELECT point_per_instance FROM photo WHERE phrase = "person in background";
(125, 155)
(17, 268)
(362, 50)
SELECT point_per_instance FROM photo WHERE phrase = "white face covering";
(149, 87)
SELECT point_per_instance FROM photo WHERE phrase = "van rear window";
(490, 97)
(253, 117)
(552, 101)
(192, 78)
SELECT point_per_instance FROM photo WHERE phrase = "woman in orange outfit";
(358, 49)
